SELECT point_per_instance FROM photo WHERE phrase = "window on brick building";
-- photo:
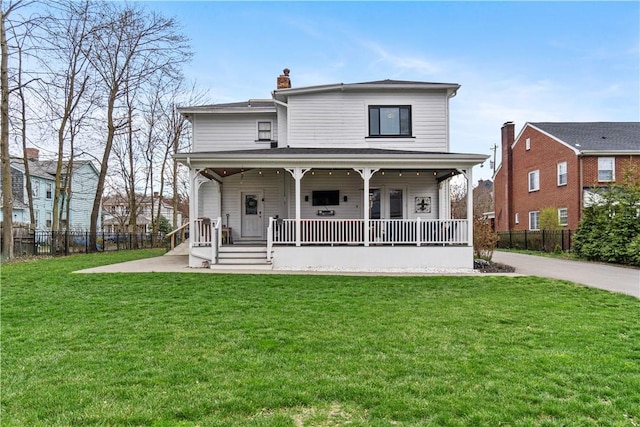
(534, 220)
(534, 180)
(563, 216)
(517, 218)
(606, 168)
(527, 144)
(562, 173)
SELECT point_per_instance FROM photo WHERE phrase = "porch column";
(193, 203)
(469, 175)
(297, 173)
(366, 174)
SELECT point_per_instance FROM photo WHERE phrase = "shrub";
(609, 230)
(484, 239)
(549, 219)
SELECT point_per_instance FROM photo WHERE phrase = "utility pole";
(494, 147)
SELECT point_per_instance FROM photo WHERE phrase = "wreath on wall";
(252, 203)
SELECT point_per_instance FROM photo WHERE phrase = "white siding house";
(345, 176)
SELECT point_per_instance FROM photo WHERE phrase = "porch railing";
(381, 231)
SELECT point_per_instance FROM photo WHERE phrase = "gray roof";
(252, 103)
(402, 82)
(595, 136)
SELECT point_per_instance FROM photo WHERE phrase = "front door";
(252, 224)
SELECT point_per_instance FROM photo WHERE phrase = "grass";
(163, 349)
(559, 255)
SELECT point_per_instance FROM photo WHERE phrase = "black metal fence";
(73, 242)
(543, 240)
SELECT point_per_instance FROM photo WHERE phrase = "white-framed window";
(389, 120)
(517, 218)
(606, 168)
(49, 187)
(563, 216)
(527, 144)
(35, 189)
(36, 216)
(534, 220)
(264, 131)
(562, 173)
(49, 219)
(534, 180)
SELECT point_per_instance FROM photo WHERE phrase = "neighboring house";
(116, 213)
(558, 165)
(84, 182)
(339, 176)
(483, 201)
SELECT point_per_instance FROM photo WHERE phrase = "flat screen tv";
(325, 198)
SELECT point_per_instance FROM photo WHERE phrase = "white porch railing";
(381, 231)
(207, 233)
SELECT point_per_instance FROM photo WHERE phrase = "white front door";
(252, 223)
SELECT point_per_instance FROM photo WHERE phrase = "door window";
(250, 204)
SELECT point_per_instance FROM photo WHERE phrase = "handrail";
(216, 239)
(172, 234)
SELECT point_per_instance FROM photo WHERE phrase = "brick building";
(558, 165)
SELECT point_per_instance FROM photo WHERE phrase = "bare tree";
(5, 91)
(131, 46)
(67, 90)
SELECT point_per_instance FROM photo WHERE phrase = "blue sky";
(518, 61)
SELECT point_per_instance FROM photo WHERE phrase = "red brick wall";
(590, 168)
(544, 155)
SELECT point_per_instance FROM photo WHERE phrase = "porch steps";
(242, 254)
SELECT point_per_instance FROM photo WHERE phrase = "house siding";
(229, 131)
(341, 119)
(84, 185)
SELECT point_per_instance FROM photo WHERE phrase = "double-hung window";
(389, 120)
(264, 131)
(563, 216)
(534, 220)
(35, 189)
(606, 168)
(49, 190)
(534, 180)
(562, 173)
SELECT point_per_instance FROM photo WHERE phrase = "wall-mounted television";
(325, 198)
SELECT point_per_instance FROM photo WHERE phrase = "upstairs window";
(562, 173)
(606, 168)
(49, 190)
(264, 131)
(534, 180)
(35, 189)
(527, 144)
(390, 120)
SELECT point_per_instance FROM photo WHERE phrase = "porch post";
(469, 175)
(193, 203)
(297, 173)
(366, 174)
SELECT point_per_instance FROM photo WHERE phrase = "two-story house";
(116, 213)
(340, 176)
(75, 204)
(558, 165)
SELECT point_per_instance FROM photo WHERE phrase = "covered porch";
(315, 209)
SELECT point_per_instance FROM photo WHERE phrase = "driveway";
(602, 276)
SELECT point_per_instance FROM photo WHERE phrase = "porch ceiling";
(330, 158)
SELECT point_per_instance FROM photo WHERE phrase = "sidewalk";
(602, 276)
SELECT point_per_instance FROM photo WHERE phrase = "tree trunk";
(7, 190)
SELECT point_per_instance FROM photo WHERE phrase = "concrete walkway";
(602, 276)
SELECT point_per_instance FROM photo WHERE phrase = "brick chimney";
(508, 137)
(32, 154)
(284, 82)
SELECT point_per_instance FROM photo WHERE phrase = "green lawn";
(162, 349)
